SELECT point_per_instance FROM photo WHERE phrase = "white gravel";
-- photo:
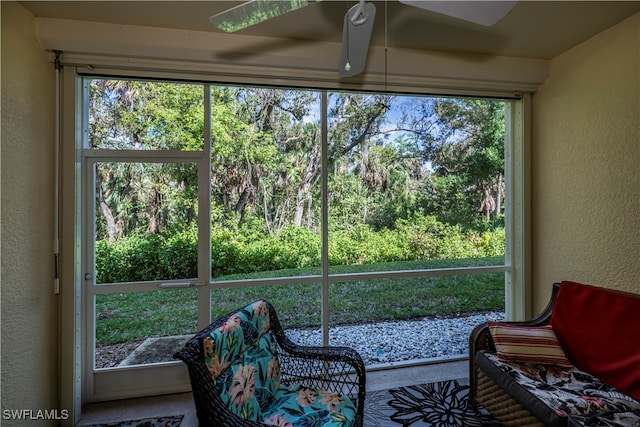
(399, 341)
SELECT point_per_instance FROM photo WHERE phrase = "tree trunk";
(155, 220)
(304, 188)
(298, 214)
(500, 196)
(247, 189)
(112, 230)
(242, 202)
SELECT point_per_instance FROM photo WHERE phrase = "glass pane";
(136, 328)
(298, 307)
(394, 320)
(146, 221)
(265, 187)
(414, 179)
(144, 115)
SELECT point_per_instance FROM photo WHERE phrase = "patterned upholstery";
(245, 372)
(563, 392)
(608, 419)
(597, 329)
(241, 356)
(301, 406)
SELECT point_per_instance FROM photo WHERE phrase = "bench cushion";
(598, 329)
(609, 419)
(552, 394)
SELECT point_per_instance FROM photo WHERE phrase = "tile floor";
(176, 404)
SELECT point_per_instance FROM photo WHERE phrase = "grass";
(125, 317)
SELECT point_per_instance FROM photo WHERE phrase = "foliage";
(413, 182)
(246, 250)
(468, 156)
(147, 257)
(141, 115)
(390, 157)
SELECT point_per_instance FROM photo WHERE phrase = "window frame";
(517, 257)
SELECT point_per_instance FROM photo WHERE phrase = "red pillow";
(599, 330)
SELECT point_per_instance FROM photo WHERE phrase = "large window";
(343, 209)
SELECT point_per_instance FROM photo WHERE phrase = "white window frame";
(517, 260)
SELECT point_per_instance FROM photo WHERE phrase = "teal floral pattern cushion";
(242, 358)
(298, 406)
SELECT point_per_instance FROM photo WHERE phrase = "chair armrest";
(480, 337)
(308, 362)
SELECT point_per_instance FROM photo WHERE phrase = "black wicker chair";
(333, 369)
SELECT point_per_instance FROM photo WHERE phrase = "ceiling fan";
(358, 21)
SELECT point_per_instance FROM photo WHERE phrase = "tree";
(266, 153)
(390, 157)
(477, 127)
(462, 140)
(138, 115)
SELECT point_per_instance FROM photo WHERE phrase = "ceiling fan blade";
(486, 13)
(356, 35)
(254, 12)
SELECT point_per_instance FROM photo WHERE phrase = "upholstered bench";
(577, 363)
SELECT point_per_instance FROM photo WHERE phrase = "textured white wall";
(29, 307)
(586, 165)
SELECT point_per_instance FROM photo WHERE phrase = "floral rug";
(170, 421)
(442, 404)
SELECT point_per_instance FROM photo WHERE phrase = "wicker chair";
(338, 370)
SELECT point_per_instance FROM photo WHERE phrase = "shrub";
(130, 259)
(179, 258)
(225, 252)
(240, 250)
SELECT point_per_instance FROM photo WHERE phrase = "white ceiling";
(533, 29)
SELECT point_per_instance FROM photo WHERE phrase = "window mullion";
(204, 218)
(325, 217)
(517, 192)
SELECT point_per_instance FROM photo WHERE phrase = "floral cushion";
(565, 391)
(301, 406)
(242, 359)
(241, 356)
(609, 419)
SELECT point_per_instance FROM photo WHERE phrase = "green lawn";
(124, 317)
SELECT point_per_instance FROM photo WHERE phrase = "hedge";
(242, 250)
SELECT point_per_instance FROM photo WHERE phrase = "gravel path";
(402, 340)
(384, 342)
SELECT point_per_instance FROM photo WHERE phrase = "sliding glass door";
(146, 177)
(343, 209)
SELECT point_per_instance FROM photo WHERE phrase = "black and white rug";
(168, 421)
(441, 404)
